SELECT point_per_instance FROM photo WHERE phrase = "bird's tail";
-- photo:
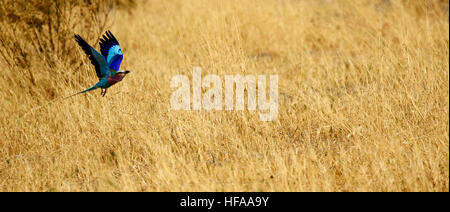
(72, 95)
(52, 101)
(89, 89)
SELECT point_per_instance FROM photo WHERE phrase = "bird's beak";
(127, 72)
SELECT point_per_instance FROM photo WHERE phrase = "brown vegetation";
(364, 96)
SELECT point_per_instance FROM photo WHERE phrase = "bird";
(106, 63)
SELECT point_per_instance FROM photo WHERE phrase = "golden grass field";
(363, 97)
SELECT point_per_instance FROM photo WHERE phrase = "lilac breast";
(113, 80)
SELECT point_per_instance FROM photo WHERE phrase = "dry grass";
(364, 99)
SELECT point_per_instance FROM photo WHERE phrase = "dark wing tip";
(109, 34)
(107, 40)
(87, 50)
(81, 42)
(111, 37)
(77, 37)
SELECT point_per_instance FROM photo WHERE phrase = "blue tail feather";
(90, 89)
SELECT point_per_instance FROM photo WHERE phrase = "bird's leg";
(104, 92)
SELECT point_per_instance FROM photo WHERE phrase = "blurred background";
(363, 96)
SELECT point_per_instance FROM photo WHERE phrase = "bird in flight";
(106, 64)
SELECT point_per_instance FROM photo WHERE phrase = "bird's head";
(122, 73)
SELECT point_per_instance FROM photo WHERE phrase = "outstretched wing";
(111, 50)
(101, 67)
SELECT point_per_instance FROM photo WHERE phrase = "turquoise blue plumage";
(106, 64)
(111, 50)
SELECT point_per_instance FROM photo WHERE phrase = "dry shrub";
(363, 84)
(37, 44)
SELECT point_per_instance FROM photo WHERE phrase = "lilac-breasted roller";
(107, 63)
